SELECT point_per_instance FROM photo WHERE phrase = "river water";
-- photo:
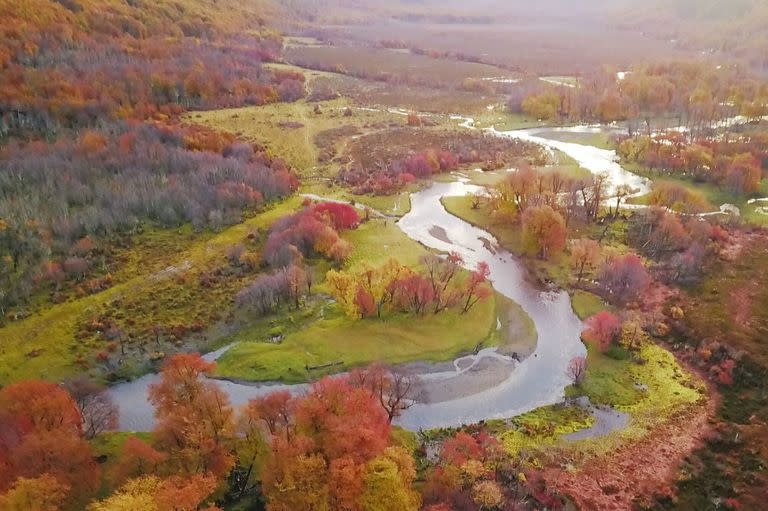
(538, 380)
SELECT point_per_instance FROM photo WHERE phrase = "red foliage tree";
(335, 430)
(63, 455)
(342, 420)
(276, 410)
(195, 421)
(41, 433)
(744, 174)
(475, 288)
(136, 459)
(38, 406)
(365, 303)
(413, 293)
(603, 329)
(342, 216)
(460, 448)
(624, 277)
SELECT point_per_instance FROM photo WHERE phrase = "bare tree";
(393, 387)
(577, 370)
(99, 412)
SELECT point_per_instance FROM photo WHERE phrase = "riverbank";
(556, 270)
(322, 339)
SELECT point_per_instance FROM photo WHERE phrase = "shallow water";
(538, 380)
(594, 159)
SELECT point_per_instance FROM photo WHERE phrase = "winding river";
(538, 380)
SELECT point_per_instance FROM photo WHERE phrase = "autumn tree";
(413, 293)
(195, 422)
(309, 232)
(487, 494)
(151, 493)
(41, 433)
(744, 174)
(42, 407)
(544, 231)
(44, 493)
(471, 473)
(624, 278)
(265, 294)
(460, 448)
(475, 288)
(542, 106)
(441, 273)
(603, 329)
(593, 191)
(367, 291)
(97, 409)
(296, 279)
(677, 198)
(342, 216)
(393, 388)
(342, 420)
(63, 455)
(295, 477)
(137, 458)
(577, 370)
(276, 410)
(388, 482)
(319, 462)
(585, 254)
(251, 449)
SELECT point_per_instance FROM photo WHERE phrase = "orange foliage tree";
(195, 422)
(321, 445)
(41, 434)
(544, 231)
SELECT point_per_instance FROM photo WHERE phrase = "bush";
(616, 352)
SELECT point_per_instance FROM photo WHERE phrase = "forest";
(347, 255)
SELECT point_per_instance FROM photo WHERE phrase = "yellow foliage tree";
(387, 483)
(44, 493)
(375, 283)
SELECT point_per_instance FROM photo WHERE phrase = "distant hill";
(140, 18)
(734, 28)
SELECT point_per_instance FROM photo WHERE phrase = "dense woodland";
(90, 94)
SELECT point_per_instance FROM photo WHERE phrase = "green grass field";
(329, 336)
(288, 130)
(586, 304)
(506, 121)
(338, 338)
(601, 139)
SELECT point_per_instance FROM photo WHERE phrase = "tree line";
(105, 182)
(331, 448)
(695, 95)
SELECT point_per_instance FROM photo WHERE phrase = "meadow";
(394, 66)
(334, 339)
